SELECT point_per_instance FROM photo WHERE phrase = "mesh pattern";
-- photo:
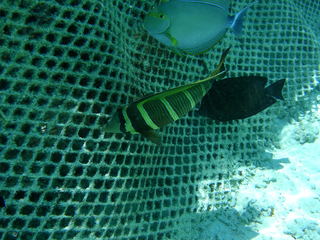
(65, 66)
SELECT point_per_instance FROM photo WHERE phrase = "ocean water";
(66, 66)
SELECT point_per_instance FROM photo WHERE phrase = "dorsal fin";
(221, 70)
(143, 97)
(218, 73)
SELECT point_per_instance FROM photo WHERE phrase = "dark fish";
(239, 98)
(2, 202)
(154, 111)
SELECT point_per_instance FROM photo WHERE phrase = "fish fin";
(173, 41)
(221, 70)
(143, 97)
(236, 22)
(152, 136)
(275, 89)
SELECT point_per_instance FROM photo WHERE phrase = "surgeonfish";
(152, 112)
(240, 97)
(192, 26)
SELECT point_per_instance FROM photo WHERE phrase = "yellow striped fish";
(152, 112)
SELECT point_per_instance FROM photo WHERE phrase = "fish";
(240, 97)
(154, 111)
(192, 26)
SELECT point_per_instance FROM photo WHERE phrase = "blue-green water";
(66, 66)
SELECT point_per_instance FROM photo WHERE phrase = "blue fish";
(192, 26)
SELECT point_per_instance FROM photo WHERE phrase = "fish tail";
(236, 22)
(275, 89)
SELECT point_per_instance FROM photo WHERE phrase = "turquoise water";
(66, 66)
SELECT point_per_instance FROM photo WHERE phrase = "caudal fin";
(237, 20)
(275, 89)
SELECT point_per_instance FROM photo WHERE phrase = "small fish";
(2, 202)
(192, 26)
(240, 97)
(152, 112)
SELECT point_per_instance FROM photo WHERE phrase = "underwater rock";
(306, 133)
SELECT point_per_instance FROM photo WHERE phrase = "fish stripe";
(192, 101)
(146, 117)
(127, 122)
(137, 119)
(204, 91)
(170, 109)
(197, 92)
(207, 81)
(158, 112)
(179, 103)
(153, 112)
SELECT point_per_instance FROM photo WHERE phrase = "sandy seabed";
(281, 201)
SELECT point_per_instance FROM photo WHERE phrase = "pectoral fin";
(173, 41)
(152, 136)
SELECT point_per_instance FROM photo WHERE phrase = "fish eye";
(161, 15)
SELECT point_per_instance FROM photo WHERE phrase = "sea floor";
(286, 191)
(280, 202)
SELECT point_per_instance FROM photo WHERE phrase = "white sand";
(286, 190)
(280, 202)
